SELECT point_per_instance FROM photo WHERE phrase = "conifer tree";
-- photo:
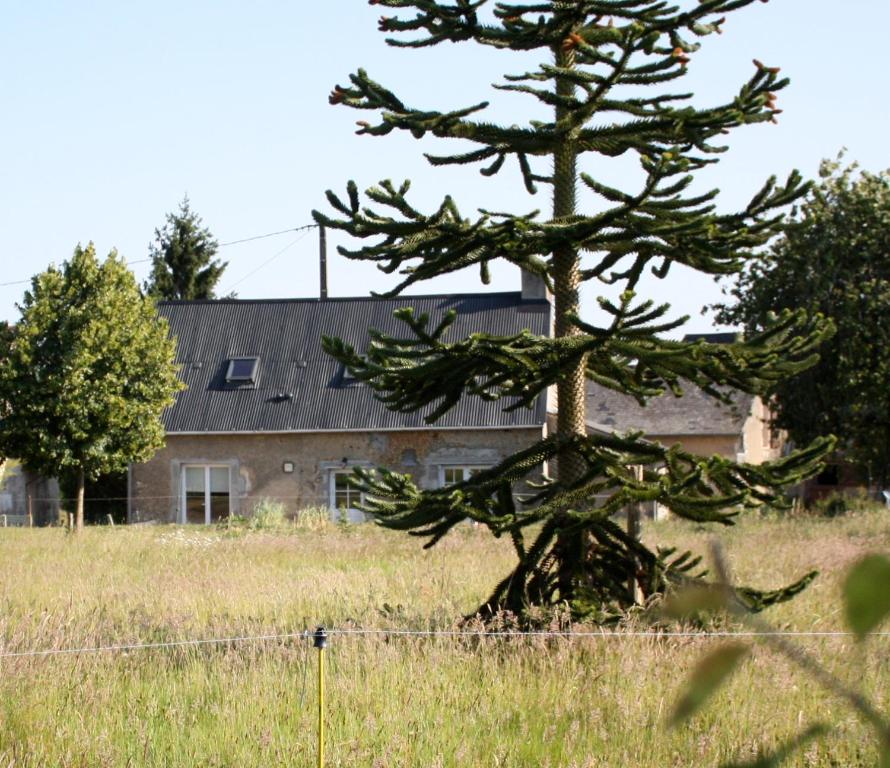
(182, 258)
(607, 77)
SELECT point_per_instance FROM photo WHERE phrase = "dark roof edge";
(330, 299)
(609, 430)
(363, 430)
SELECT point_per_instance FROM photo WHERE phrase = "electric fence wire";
(307, 634)
(136, 499)
(123, 647)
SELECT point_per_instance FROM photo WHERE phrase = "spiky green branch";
(608, 78)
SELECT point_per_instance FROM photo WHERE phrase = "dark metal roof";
(721, 337)
(695, 413)
(298, 387)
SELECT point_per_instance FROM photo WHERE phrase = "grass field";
(391, 701)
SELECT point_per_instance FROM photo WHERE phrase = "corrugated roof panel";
(297, 387)
(695, 413)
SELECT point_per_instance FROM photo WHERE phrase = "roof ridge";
(330, 299)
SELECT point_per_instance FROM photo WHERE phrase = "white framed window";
(344, 499)
(453, 474)
(206, 493)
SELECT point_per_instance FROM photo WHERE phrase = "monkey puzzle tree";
(606, 79)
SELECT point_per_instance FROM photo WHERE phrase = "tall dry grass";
(393, 701)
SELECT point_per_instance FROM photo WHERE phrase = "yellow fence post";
(320, 642)
(634, 520)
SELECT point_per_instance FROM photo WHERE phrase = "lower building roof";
(695, 413)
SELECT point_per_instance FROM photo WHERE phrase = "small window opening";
(345, 498)
(243, 370)
(458, 474)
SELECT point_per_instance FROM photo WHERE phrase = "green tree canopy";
(182, 258)
(607, 77)
(834, 259)
(87, 373)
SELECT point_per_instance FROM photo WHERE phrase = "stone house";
(700, 424)
(268, 415)
(739, 431)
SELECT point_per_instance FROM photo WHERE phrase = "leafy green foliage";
(267, 514)
(867, 594)
(607, 77)
(87, 373)
(709, 674)
(866, 589)
(832, 260)
(182, 258)
(627, 356)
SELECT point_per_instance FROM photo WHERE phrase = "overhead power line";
(270, 234)
(15, 282)
(267, 262)
(221, 245)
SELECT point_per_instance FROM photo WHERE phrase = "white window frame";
(354, 514)
(207, 489)
(469, 470)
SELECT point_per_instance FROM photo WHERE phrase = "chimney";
(322, 262)
(533, 286)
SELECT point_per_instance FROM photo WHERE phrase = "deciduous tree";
(87, 373)
(833, 259)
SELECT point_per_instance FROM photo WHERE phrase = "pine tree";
(182, 258)
(609, 63)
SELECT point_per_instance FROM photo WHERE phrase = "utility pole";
(323, 262)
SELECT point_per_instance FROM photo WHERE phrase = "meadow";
(392, 700)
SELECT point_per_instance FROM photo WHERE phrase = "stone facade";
(754, 443)
(296, 468)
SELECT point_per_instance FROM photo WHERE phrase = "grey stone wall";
(257, 464)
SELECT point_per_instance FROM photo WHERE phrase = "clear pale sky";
(113, 111)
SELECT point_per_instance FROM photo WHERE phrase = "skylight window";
(243, 370)
(346, 380)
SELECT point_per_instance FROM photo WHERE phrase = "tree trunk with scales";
(571, 389)
(598, 52)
